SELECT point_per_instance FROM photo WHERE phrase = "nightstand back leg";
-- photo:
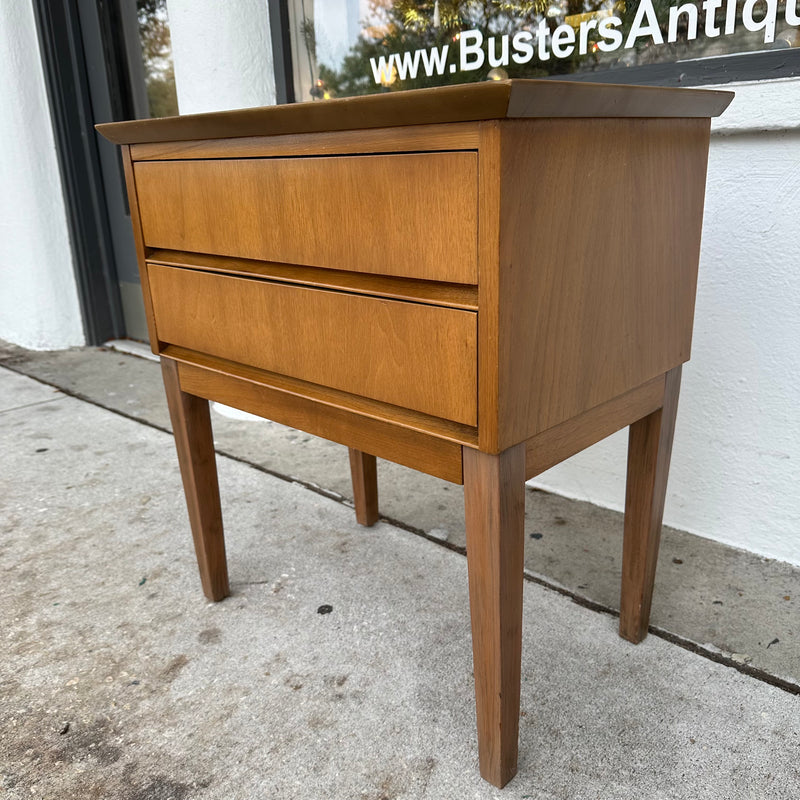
(364, 472)
(649, 451)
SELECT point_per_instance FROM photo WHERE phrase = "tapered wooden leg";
(649, 450)
(494, 500)
(191, 425)
(364, 471)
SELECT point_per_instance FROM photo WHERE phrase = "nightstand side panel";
(600, 227)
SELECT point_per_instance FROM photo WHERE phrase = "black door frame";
(73, 118)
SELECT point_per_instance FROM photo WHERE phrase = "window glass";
(351, 47)
(159, 74)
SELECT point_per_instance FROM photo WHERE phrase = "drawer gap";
(374, 409)
(409, 139)
(215, 156)
(448, 295)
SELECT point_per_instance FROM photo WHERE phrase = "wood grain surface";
(408, 215)
(489, 290)
(364, 474)
(404, 445)
(494, 502)
(333, 399)
(460, 103)
(457, 136)
(597, 274)
(138, 239)
(649, 452)
(451, 295)
(414, 356)
(564, 440)
(194, 441)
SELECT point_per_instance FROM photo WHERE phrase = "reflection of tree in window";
(409, 25)
(683, 29)
(157, 57)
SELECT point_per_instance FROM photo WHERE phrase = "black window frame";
(760, 65)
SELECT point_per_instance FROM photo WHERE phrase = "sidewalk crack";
(32, 405)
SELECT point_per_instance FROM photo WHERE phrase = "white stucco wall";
(735, 474)
(38, 297)
(222, 54)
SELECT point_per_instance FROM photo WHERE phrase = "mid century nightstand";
(475, 281)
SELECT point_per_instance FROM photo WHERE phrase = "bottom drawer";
(415, 356)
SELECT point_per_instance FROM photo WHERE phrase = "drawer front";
(410, 215)
(411, 355)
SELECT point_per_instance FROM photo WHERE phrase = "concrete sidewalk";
(725, 603)
(118, 680)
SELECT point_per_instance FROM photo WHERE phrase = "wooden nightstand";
(475, 281)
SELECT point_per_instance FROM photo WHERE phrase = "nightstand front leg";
(191, 425)
(494, 500)
(364, 472)
(649, 451)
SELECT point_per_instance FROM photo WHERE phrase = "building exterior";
(67, 273)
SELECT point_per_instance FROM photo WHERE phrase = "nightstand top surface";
(471, 102)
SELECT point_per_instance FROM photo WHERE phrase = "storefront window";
(159, 74)
(352, 47)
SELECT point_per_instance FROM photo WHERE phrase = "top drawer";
(410, 215)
